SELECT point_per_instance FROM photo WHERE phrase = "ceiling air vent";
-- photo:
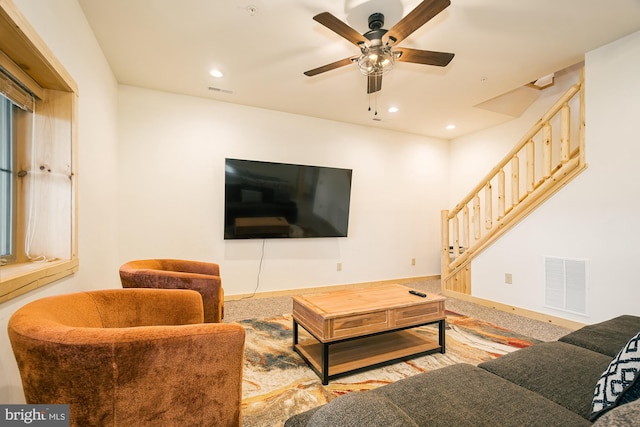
(217, 89)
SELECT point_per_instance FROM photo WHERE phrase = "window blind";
(13, 91)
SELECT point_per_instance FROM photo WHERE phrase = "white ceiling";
(500, 45)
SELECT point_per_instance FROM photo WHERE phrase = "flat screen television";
(280, 200)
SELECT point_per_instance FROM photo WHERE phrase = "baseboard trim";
(542, 317)
(299, 291)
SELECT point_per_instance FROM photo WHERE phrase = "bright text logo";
(36, 415)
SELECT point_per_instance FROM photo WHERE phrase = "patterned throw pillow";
(619, 383)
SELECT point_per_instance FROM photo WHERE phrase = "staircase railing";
(549, 155)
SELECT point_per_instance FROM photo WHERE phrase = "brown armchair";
(130, 357)
(203, 277)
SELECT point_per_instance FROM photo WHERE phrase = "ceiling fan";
(378, 46)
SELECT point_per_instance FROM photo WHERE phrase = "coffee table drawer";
(419, 314)
(358, 325)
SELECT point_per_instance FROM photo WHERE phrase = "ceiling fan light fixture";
(376, 60)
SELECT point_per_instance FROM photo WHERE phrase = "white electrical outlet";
(339, 266)
(508, 278)
(413, 261)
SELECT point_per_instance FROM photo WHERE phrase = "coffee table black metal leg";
(295, 333)
(325, 363)
(441, 335)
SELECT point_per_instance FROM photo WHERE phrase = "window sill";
(17, 279)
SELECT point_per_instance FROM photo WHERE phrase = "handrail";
(549, 161)
(516, 149)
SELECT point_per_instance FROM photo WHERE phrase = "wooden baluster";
(565, 133)
(476, 217)
(515, 181)
(546, 150)
(488, 212)
(456, 237)
(465, 227)
(501, 193)
(531, 166)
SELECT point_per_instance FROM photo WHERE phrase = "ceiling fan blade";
(330, 67)
(426, 57)
(340, 28)
(416, 19)
(374, 83)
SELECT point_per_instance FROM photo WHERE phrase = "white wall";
(595, 217)
(64, 29)
(172, 151)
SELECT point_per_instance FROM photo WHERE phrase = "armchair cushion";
(203, 277)
(130, 357)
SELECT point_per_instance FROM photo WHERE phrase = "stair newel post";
(444, 256)
(582, 155)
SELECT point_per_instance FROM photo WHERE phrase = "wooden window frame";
(25, 56)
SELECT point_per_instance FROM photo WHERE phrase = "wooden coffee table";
(359, 329)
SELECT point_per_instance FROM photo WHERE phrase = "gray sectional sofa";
(547, 384)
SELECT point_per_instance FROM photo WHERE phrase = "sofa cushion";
(561, 372)
(620, 416)
(619, 383)
(459, 395)
(360, 409)
(606, 337)
(464, 395)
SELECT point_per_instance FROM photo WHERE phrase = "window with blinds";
(7, 186)
(38, 142)
(14, 102)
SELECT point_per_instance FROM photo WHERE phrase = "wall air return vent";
(566, 284)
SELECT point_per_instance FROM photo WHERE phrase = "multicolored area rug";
(278, 384)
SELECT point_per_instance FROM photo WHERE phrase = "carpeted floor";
(256, 308)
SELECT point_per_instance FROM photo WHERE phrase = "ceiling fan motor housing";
(376, 21)
(374, 35)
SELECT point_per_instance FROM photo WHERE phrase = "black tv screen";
(280, 200)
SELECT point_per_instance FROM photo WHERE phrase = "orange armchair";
(130, 357)
(203, 277)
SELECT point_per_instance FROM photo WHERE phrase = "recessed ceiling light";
(252, 9)
(216, 73)
(393, 109)
(451, 126)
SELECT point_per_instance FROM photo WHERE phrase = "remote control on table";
(420, 294)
